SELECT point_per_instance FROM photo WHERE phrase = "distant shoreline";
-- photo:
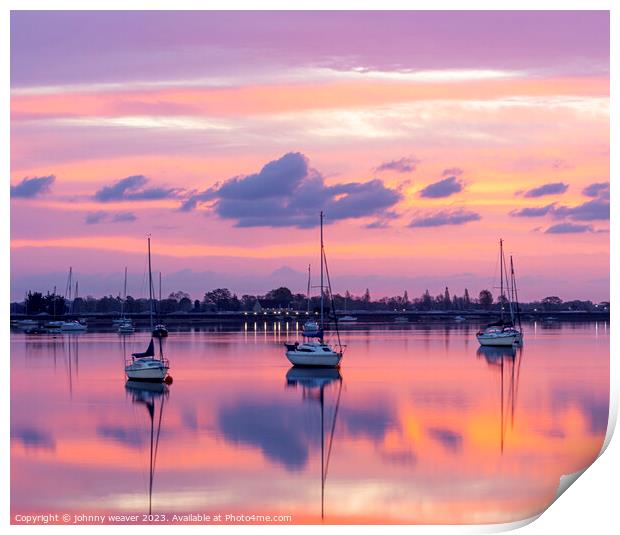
(362, 316)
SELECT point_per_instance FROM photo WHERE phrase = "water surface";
(420, 425)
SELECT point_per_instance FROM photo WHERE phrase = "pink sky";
(500, 111)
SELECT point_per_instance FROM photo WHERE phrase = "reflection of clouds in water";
(32, 438)
(285, 433)
(126, 436)
(368, 422)
(595, 408)
(441, 399)
(451, 440)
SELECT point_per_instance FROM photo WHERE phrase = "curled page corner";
(567, 480)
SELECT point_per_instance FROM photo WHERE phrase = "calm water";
(419, 426)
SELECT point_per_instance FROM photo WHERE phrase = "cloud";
(552, 188)
(32, 187)
(132, 188)
(404, 165)
(535, 211)
(93, 218)
(124, 217)
(445, 217)
(597, 209)
(287, 192)
(452, 171)
(598, 189)
(568, 228)
(443, 188)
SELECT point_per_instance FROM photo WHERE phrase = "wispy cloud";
(568, 228)
(94, 218)
(445, 217)
(288, 192)
(403, 165)
(132, 188)
(598, 189)
(535, 211)
(452, 171)
(596, 209)
(442, 188)
(32, 187)
(552, 188)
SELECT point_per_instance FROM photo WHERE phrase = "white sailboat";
(317, 353)
(311, 327)
(73, 325)
(347, 318)
(502, 332)
(125, 325)
(145, 366)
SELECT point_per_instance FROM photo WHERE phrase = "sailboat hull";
(146, 369)
(499, 339)
(314, 355)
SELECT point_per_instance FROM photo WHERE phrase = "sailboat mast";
(124, 295)
(321, 270)
(514, 290)
(501, 278)
(150, 286)
(308, 289)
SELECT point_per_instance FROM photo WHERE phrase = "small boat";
(317, 353)
(74, 326)
(146, 366)
(459, 318)
(126, 327)
(312, 329)
(160, 330)
(347, 319)
(36, 330)
(56, 324)
(504, 331)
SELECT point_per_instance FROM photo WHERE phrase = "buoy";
(168, 379)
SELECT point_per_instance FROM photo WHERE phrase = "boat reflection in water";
(148, 395)
(313, 382)
(508, 362)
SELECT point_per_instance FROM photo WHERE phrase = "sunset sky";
(424, 136)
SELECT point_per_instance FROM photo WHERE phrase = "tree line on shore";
(223, 300)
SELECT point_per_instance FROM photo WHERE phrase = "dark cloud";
(535, 211)
(32, 187)
(452, 171)
(93, 218)
(445, 217)
(598, 189)
(132, 188)
(287, 192)
(124, 217)
(596, 209)
(404, 165)
(568, 228)
(442, 188)
(552, 188)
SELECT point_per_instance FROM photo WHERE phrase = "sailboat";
(502, 332)
(311, 327)
(147, 394)
(73, 325)
(310, 380)
(317, 353)
(160, 330)
(125, 325)
(145, 366)
(347, 318)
